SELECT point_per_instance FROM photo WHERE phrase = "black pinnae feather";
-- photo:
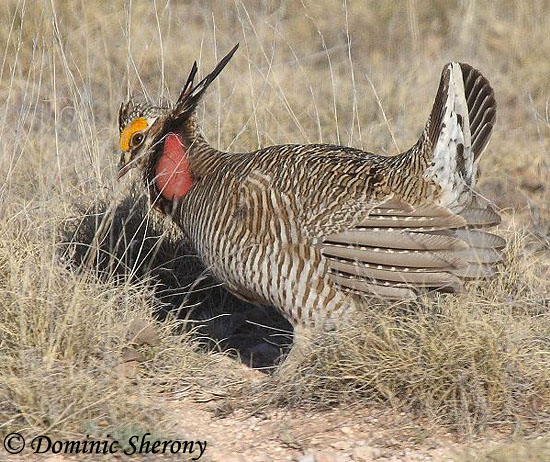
(189, 83)
(191, 95)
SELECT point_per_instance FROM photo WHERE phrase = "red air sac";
(173, 175)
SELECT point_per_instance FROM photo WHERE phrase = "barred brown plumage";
(312, 229)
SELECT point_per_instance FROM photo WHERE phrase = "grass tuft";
(470, 361)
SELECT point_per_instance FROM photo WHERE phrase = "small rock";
(127, 370)
(366, 453)
(131, 354)
(309, 457)
(331, 456)
(224, 458)
(142, 332)
(396, 459)
(56, 458)
(342, 445)
(347, 430)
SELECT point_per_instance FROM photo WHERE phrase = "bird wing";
(398, 250)
(394, 249)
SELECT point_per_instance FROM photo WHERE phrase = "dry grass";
(302, 75)
(471, 361)
(61, 351)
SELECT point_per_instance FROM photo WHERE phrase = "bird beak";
(123, 171)
(125, 165)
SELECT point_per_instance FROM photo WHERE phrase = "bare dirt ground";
(352, 433)
(349, 434)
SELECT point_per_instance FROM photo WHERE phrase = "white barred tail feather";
(460, 125)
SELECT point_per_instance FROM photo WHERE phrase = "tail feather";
(457, 132)
(435, 121)
(399, 249)
(481, 107)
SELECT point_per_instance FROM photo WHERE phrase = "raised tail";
(457, 132)
(400, 249)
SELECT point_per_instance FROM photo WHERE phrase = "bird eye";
(137, 139)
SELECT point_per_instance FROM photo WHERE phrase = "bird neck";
(202, 156)
(172, 173)
(181, 160)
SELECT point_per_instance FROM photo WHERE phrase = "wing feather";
(396, 257)
(362, 287)
(397, 239)
(399, 250)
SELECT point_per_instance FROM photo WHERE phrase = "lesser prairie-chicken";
(313, 229)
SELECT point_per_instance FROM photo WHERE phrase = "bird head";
(143, 127)
(140, 125)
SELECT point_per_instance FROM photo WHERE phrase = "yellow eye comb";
(136, 125)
